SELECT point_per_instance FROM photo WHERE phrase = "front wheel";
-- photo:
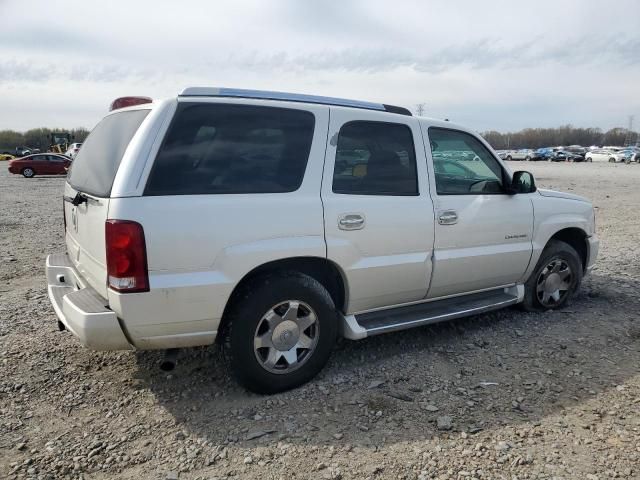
(556, 278)
(280, 332)
(28, 172)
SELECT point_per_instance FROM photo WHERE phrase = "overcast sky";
(501, 65)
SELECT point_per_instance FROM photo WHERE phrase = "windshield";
(97, 162)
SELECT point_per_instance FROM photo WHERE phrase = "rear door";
(482, 234)
(378, 214)
(89, 183)
(40, 164)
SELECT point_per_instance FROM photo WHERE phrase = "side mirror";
(522, 182)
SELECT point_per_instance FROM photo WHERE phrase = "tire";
(508, 158)
(589, 159)
(28, 172)
(612, 160)
(555, 253)
(527, 159)
(251, 319)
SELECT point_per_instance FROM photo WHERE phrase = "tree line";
(527, 138)
(565, 135)
(36, 138)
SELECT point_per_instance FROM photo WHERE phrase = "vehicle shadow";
(483, 372)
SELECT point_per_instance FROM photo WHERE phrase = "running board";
(368, 324)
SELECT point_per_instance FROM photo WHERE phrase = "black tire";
(246, 313)
(508, 158)
(28, 172)
(560, 251)
(527, 159)
(589, 159)
(612, 160)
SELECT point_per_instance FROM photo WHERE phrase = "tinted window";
(462, 164)
(375, 158)
(217, 148)
(96, 164)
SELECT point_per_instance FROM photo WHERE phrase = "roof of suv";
(290, 97)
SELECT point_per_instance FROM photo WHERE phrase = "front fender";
(552, 215)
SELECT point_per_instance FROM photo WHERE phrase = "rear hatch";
(87, 192)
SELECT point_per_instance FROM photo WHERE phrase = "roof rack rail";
(290, 97)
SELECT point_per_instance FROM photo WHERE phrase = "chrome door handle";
(351, 221)
(448, 217)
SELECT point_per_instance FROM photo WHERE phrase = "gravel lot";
(508, 395)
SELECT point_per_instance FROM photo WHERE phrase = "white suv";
(274, 223)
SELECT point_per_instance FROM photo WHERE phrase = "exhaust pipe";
(170, 360)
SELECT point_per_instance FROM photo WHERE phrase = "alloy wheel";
(554, 282)
(286, 337)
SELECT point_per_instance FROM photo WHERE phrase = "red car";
(40, 164)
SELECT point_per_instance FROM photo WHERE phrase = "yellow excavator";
(60, 142)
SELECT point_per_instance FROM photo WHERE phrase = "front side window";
(227, 149)
(375, 158)
(462, 164)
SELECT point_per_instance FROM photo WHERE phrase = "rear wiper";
(77, 200)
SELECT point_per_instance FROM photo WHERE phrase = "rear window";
(220, 148)
(95, 166)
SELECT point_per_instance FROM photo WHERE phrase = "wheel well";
(577, 238)
(321, 269)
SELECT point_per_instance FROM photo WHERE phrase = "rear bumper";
(81, 309)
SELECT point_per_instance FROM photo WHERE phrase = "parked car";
(6, 156)
(565, 156)
(40, 164)
(577, 150)
(522, 154)
(502, 153)
(627, 155)
(73, 150)
(542, 154)
(267, 243)
(600, 155)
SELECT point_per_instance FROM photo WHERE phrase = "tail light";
(126, 257)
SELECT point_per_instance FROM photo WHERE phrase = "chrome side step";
(399, 318)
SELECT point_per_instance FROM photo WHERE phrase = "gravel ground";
(507, 395)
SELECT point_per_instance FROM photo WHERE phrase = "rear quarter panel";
(199, 247)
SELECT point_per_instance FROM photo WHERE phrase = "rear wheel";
(556, 278)
(612, 160)
(28, 172)
(589, 159)
(509, 158)
(280, 332)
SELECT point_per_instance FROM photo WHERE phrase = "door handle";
(351, 221)
(448, 217)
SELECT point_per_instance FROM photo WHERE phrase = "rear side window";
(95, 166)
(221, 148)
(375, 158)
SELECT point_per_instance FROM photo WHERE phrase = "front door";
(483, 235)
(378, 214)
